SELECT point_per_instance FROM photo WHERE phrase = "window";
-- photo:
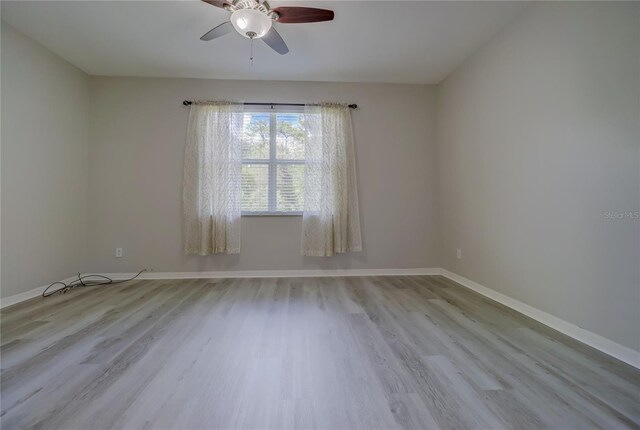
(273, 161)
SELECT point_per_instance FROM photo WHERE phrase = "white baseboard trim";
(609, 347)
(21, 297)
(312, 273)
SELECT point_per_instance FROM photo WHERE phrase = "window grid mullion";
(267, 161)
(272, 164)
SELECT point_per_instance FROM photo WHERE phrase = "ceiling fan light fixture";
(250, 23)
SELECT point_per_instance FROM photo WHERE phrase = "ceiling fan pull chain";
(251, 58)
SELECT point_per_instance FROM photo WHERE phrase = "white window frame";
(272, 162)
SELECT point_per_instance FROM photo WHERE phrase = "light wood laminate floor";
(331, 353)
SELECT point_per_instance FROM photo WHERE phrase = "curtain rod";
(352, 106)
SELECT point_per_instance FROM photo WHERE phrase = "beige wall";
(538, 138)
(138, 129)
(45, 132)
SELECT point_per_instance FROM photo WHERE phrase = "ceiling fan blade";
(220, 30)
(218, 3)
(275, 41)
(294, 15)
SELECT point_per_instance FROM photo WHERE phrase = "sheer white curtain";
(331, 221)
(211, 191)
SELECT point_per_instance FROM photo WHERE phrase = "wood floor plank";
(396, 352)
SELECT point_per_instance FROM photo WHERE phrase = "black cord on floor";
(83, 282)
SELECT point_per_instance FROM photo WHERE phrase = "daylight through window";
(273, 162)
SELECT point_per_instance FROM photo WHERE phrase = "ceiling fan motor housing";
(252, 4)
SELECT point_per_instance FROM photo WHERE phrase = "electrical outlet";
(459, 253)
(118, 252)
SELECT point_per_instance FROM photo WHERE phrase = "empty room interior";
(307, 214)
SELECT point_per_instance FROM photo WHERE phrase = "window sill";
(271, 214)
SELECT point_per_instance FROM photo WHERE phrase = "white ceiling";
(369, 41)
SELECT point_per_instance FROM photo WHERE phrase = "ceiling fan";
(254, 19)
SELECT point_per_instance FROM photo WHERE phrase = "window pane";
(255, 142)
(290, 136)
(290, 187)
(255, 187)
